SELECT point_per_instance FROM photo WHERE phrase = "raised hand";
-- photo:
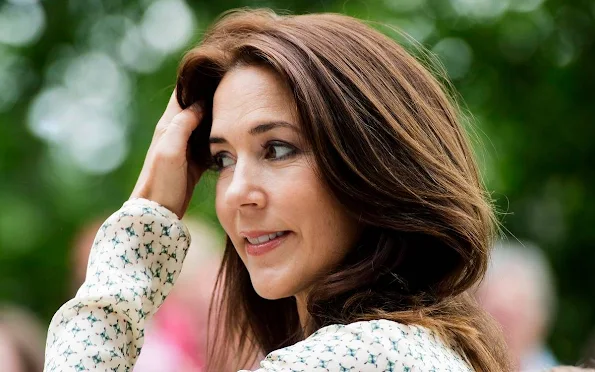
(169, 174)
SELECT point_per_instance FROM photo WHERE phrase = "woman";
(355, 216)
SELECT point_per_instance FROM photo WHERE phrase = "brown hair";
(389, 146)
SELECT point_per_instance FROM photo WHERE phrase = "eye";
(277, 150)
(222, 160)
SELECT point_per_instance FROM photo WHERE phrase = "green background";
(524, 68)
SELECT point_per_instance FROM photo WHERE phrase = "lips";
(264, 238)
(259, 243)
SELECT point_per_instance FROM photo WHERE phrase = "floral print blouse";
(135, 259)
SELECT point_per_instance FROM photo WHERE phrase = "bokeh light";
(21, 22)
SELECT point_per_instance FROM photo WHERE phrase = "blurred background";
(83, 82)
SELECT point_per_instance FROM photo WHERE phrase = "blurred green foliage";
(524, 68)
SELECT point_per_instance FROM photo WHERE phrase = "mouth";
(258, 244)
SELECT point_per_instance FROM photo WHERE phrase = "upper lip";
(257, 233)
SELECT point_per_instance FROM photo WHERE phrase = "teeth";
(264, 238)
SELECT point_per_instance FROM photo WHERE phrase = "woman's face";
(282, 220)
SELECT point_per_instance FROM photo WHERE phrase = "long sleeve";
(135, 259)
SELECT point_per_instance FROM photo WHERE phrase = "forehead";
(251, 94)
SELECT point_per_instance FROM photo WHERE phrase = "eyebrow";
(259, 129)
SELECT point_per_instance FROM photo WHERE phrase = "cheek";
(335, 234)
(330, 231)
(299, 198)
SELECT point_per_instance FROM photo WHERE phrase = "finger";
(173, 108)
(180, 128)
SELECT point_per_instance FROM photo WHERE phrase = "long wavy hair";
(389, 145)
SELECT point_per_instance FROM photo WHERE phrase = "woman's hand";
(169, 175)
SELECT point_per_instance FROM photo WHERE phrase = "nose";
(246, 189)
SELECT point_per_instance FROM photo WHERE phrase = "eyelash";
(216, 161)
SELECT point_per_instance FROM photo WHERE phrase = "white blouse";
(135, 259)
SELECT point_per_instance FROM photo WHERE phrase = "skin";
(169, 176)
(270, 188)
(267, 183)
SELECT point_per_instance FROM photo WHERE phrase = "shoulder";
(368, 346)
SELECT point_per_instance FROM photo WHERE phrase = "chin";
(272, 289)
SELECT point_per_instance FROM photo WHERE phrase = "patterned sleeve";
(376, 345)
(135, 259)
(334, 348)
